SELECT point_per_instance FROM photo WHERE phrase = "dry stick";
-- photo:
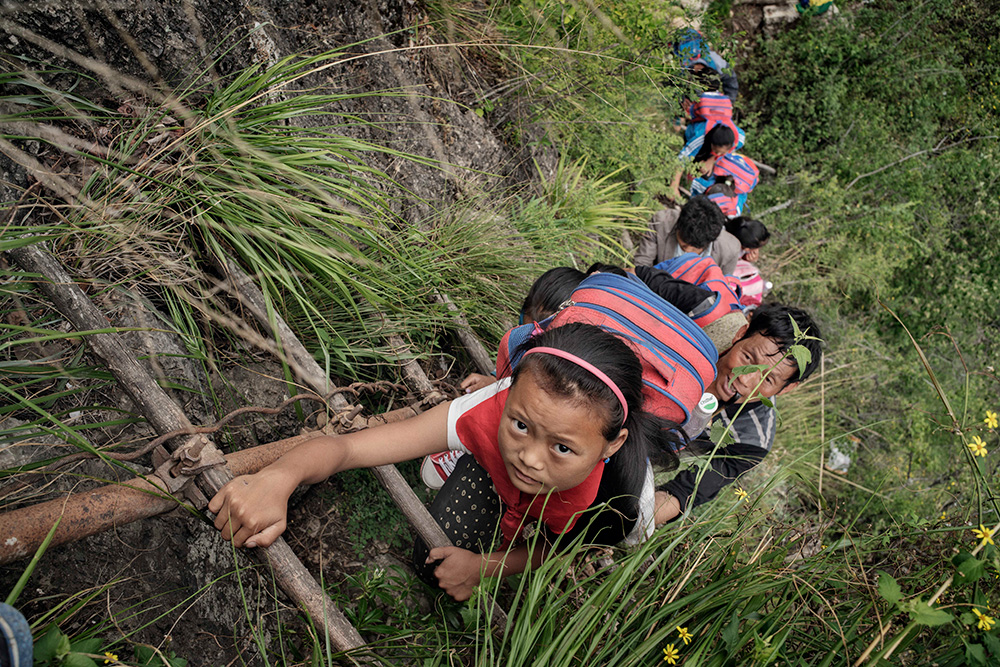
(936, 149)
(822, 432)
(774, 209)
(165, 416)
(314, 376)
(472, 345)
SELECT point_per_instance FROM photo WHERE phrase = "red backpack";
(730, 205)
(743, 170)
(678, 359)
(712, 107)
(704, 272)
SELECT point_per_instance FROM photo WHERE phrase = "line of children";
(711, 135)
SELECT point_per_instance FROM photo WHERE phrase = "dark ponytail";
(548, 292)
(720, 135)
(751, 233)
(649, 437)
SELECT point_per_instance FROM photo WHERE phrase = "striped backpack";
(704, 272)
(678, 359)
(743, 170)
(731, 206)
(712, 107)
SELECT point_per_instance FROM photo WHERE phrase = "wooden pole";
(314, 377)
(165, 416)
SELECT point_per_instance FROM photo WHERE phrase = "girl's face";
(551, 442)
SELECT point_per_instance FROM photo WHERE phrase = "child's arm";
(674, 189)
(461, 570)
(251, 510)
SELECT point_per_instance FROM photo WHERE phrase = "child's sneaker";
(15, 638)
(436, 468)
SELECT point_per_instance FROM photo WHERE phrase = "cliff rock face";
(172, 575)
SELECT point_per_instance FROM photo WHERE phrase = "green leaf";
(992, 643)
(143, 655)
(731, 635)
(888, 588)
(802, 355)
(975, 654)
(721, 434)
(92, 645)
(969, 569)
(78, 660)
(924, 615)
(62, 646)
(797, 332)
(45, 648)
(750, 368)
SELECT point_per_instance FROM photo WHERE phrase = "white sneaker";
(436, 468)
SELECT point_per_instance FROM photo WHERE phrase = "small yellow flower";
(671, 655)
(977, 446)
(110, 657)
(684, 634)
(985, 622)
(983, 533)
(740, 493)
(991, 419)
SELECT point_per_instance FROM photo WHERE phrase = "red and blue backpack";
(730, 205)
(705, 273)
(678, 359)
(712, 107)
(743, 170)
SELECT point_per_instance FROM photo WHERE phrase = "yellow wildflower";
(740, 493)
(685, 635)
(985, 622)
(671, 655)
(110, 657)
(977, 446)
(991, 419)
(983, 533)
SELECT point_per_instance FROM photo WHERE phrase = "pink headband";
(586, 365)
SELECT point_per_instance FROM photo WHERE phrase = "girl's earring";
(607, 460)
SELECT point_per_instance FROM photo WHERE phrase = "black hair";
(751, 233)
(723, 185)
(720, 135)
(700, 222)
(774, 321)
(600, 267)
(650, 438)
(548, 292)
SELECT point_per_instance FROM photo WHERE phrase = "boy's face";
(754, 350)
